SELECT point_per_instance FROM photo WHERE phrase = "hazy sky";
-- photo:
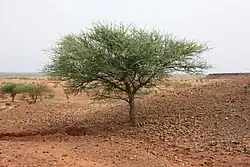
(28, 26)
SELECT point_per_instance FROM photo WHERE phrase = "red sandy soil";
(206, 125)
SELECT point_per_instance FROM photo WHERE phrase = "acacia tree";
(12, 88)
(121, 59)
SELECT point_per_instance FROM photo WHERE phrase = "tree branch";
(115, 85)
(114, 97)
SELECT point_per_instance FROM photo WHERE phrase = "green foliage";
(122, 59)
(34, 90)
(20, 88)
(11, 88)
(8, 87)
(37, 90)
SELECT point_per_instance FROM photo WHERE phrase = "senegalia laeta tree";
(118, 60)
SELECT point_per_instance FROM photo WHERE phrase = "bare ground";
(205, 125)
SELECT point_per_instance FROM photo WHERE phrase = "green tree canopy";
(121, 59)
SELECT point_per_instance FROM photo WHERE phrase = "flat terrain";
(188, 122)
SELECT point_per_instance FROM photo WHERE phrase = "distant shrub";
(38, 90)
(67, 92)
(12, 88)
(176, 84)
(33, 90)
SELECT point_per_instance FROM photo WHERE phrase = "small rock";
(132, 158)
(235, 142)
(153, 152)
(187, 149)
(213, 143)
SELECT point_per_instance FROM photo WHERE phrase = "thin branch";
(115, 85)
(114, 97)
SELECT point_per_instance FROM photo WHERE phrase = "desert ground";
(187, 122)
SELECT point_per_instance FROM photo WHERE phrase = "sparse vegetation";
(177, 84)
(12, 89)
(122, 60)
(33, 90)
(67, 92)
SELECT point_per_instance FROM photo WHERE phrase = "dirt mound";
(35, 118)
(48, 117)
(212, 118)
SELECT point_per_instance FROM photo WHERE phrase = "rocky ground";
(205, 125)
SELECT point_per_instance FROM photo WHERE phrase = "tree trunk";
(133, 115)
(13, 97)
(35, 98)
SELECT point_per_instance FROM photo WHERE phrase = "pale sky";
(28, 26)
